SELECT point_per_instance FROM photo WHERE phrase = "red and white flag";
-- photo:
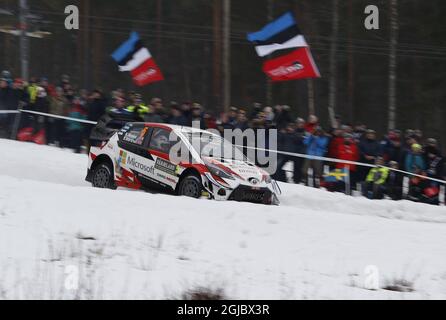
(298, 64)
(146, 73)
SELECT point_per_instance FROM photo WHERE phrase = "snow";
(135, 245)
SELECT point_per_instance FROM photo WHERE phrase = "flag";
(338, 175)
(298, 64)
(134, 57)
(283, 33)
(146, 73)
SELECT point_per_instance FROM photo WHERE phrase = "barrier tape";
(292, 154)
(9, 111)
(59, 117)
(306, 156)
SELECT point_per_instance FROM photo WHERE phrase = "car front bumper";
(264, 194)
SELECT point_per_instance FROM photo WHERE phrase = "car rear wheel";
(103, 177)
(190, 186)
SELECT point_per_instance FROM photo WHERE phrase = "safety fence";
(346, 163)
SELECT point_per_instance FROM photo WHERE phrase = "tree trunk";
(86, 78)
(333, 63)
(393, 63)
(350, 65)
(226, 54)
(217, 54)
(311, 104)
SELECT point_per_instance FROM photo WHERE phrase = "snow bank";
(135, 245)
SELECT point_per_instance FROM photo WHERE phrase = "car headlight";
(216, 171)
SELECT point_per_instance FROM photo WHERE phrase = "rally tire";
(103, 177)
(190, 186)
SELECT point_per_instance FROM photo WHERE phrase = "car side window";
(136, 135)
(160, 140)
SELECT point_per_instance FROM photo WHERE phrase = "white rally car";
(140, 156)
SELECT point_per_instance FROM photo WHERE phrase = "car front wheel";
(103, 177)
(190, 186)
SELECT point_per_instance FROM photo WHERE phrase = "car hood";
(242, 169)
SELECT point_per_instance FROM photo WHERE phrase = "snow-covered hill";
(128, 244)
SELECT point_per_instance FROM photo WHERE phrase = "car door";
(133, 155)
(166, 172)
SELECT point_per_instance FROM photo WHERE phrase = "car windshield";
(214, 146)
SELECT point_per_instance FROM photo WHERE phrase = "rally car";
(152, 156)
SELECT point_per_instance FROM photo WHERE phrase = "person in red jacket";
(348, 150)
(312, 124)
(336, 142)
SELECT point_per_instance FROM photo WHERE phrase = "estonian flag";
(134, 57)
(280, 34)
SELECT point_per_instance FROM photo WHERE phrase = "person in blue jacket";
(316, 145)
(414, 159)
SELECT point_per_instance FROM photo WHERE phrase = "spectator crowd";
(405, 150)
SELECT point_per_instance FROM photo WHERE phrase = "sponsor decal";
(136, 136)
(132, 162)
(122, 160)
(285, 70)
(131, 137)
(164, 177)
(166, 166)
(142, 135)
(244, 170)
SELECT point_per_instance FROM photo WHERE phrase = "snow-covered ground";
(135, 245)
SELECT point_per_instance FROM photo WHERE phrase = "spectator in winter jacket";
(32, 91)
(394, 183)
(336, 141)
(312, 124)
(242, 121)
(157, 108)
(434, 161)
(20, 96)
(176, 116)
(75, 129)
(349, 151)
(316, 144)
(56, 127)
(96, 105)
(423, 190)
(359, 132)
(369, 150)
(414, 159)
(232, 116)
(224, 124)
(6, 97)
(40, 123)
(269, 114)
(391, 147)
(289, 140)
(197, 116)
(375, 184)
(282, 116)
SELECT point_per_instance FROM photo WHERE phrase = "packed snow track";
(62, 239)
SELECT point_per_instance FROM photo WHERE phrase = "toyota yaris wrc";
(181, 160)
